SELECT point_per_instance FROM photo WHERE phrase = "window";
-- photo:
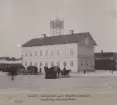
(40, 53)
(46, 53)
(86, 62)
(40, 63)
(46, 64)
(35, 63)
(71, 63)
(64, 53)
(26, 54)
(58, 63)
(91, 62)
(52, 53)
(71, 52)
(64, 63)
(86, 41)
(82, 63)
(30, 63)
(58, 52)
(25, 63)
(52, 64)
(30, 53)
(35, 53)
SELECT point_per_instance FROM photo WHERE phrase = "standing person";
(112, 66)
(84, 71)
(64, 71)
(58, 71)
(110, 71)
(12, 72)
(64, 68)
(40, 70)
(12, 77)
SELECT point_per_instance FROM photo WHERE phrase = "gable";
(87, 41)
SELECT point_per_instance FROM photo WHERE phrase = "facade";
(74, 51)
(106, 61)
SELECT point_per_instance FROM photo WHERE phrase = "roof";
(105, 54)
(61, 39)
(10, 62)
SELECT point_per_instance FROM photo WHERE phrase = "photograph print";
(58, 44)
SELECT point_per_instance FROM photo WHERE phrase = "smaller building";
(4, 64)
(106, 61)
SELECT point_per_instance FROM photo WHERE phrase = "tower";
(57, 27)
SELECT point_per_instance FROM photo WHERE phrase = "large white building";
(75, 50)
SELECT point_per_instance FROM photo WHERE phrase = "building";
(75, 51)
(5, 64)
(106, 61)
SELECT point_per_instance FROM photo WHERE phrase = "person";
(12, 77)
(84, 71)
(58, 71)
(112, 71)
(12, 71)
(64, 69)
(40, 70)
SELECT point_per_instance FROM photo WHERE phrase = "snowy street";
(98, 79)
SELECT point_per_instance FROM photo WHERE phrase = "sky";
(22, 20)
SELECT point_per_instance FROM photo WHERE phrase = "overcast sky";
(21, 20)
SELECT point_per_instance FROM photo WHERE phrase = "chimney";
(101, 51)
(71, 31)
(44, 35)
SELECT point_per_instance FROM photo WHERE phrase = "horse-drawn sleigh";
(55, 72)
(65, 72)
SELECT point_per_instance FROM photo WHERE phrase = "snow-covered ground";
(98, 73)
(98, 79)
